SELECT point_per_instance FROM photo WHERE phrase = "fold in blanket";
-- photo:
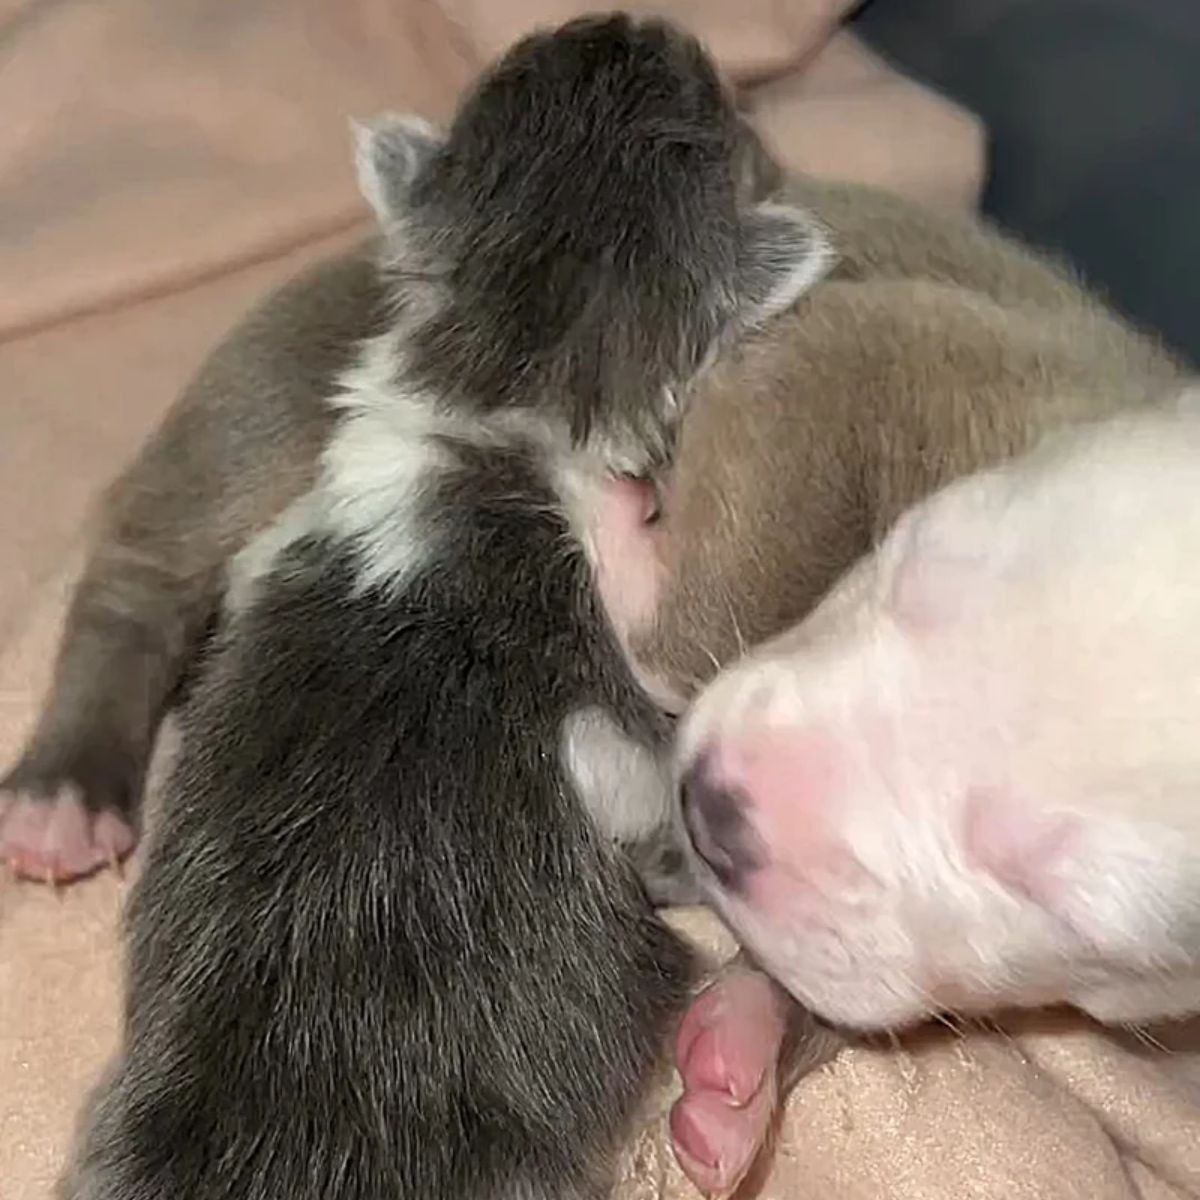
(159, 150)
(149, 146)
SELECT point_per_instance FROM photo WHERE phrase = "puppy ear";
(1113, 883)
(389, 152)
(785, 251)
(946, 554)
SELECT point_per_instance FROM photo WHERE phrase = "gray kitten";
(243, 440)
(383, 943)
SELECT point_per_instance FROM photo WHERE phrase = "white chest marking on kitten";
(625, 786)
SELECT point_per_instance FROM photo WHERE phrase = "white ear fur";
(938, 554)
(787, 251)
(389, 150)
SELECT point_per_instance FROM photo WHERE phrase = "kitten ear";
(389, 152)
(785, 251)
(756, 173)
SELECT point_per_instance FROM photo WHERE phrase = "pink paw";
(56, 840)
(727, 1054)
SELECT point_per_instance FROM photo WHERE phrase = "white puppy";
(971, 779)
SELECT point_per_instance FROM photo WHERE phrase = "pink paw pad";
(727, 1055)
(56, 840)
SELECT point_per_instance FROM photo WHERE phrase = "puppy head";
(861, 806)
(582, 233)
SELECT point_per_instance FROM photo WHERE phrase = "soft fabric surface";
(161, 166)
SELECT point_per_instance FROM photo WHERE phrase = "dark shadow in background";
(1093, 116)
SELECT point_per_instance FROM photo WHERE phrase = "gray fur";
(380, 946)
(521, 252)
(239, 445)
(242, 442)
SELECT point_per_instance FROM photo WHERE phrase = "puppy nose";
(717, 827)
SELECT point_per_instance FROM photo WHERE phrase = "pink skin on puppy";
(971, 779)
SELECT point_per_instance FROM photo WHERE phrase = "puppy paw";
(727, 1054)
(49, 835)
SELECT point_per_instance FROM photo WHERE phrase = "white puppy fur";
(971, 780)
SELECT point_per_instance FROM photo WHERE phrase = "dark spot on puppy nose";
(717, 827)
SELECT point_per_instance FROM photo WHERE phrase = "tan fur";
(934, 348)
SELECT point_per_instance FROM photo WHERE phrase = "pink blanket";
(162, 165)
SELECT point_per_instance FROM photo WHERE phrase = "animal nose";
(717, 826)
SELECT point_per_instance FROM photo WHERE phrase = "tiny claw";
(58, 842)
(115, 864)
